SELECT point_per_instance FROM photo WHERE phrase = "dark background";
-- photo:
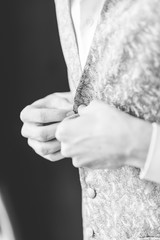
(43, 198)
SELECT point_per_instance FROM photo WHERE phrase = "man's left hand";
(101, 137)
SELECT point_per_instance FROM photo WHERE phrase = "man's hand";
(103, 137)
(41, 120)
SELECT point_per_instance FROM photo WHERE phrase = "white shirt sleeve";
(151, 170)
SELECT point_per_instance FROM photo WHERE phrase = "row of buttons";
(91, 194)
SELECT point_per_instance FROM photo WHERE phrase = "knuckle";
(29, 142)
(76, 162)
(23, 114)
(49, 157)
(23, 132)
(59, 132)
(61, 114)
(43, 136)
(55, 94)
(42, 150)
(52, 158)
(57, 136)
(94, 103)
(42, 116)
(37, 147)
(65, 151)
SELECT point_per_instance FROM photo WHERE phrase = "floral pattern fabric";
(123, 70)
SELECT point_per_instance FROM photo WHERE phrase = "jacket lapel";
(78, 79)
(68, 42)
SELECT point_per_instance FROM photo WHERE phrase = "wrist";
(139, 144)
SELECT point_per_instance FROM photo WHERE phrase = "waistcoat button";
(89, 232)
(91, 192)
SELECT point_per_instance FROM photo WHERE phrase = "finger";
(41, 103)
(83, 161)
(71, 116)
(67, 150)
(44, 148)
(40, 133)
(71, 149)
(70, 113)
(76, 162)
(45, 102)
(54, 157)
(83, 108)
(67, 95)
(68, 128)
(42, 115)
(59, 100)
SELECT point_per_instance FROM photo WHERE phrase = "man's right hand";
(40, 121)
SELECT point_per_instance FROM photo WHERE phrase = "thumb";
(82, 109)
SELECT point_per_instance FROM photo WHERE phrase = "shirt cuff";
(151, 170)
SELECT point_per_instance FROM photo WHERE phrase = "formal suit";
(123, 70)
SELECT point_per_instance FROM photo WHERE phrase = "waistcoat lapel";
(83, 92)
(68, 42)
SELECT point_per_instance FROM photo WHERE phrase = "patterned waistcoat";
(122, 69)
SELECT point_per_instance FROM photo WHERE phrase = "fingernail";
(69, 113)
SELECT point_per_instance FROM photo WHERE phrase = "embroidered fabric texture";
(123, 70)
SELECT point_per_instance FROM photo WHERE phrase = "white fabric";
(85, 14)
(151, 170)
